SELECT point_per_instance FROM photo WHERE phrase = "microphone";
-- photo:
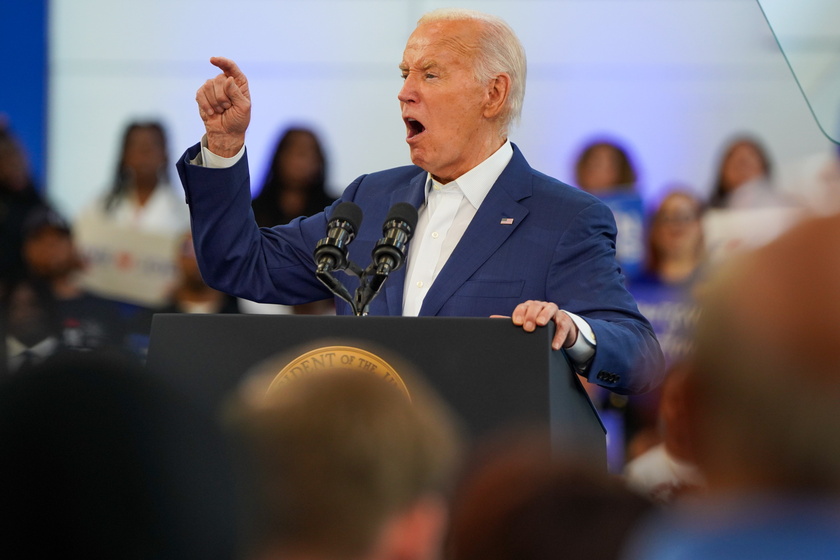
(331, 251)
(389, 252)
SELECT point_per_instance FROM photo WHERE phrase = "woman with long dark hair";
(295, 182)
(133, 227)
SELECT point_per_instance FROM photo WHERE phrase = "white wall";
(672, 78)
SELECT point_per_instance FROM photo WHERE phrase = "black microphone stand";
(325, 275)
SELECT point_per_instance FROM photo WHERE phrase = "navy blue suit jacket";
(532, 238)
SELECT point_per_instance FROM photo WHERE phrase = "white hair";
(499, 52)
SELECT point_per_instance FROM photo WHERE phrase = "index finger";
(227, 66)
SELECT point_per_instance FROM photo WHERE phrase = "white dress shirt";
(442, 221)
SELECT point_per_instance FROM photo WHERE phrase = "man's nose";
(408, 92)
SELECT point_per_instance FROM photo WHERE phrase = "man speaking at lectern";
(494, 236)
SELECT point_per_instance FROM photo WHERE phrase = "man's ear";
(415, 533)
(498, 91)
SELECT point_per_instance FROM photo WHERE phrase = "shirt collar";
(15, 348)
(477, 182)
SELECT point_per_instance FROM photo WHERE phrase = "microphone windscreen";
(348, 212)
(405, 212)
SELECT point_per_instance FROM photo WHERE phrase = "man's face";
(443, 105)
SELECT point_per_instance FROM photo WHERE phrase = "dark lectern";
(492, 373)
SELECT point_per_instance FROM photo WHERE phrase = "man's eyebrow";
(424, 65)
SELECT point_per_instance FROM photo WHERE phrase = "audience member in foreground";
(343, 466)
(98, 461)
(762, 403)
(666, 471)
(519, 503)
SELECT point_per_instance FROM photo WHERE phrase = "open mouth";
(414, 127)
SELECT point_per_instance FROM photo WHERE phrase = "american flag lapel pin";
(507, 221)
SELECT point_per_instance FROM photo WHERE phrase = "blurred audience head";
(744, 160)
(48, 247)
(344, 466)
(190, 294)
(674, 419)
(143, 159)
(295, 184)
(518, 501)
(764, 378)
(99, 461)
(675, 233)
(28, 311)
(604, 166)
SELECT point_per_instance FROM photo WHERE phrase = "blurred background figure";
(764, 384)
(101, 462)
(743, 175)
(141, 196)
(817, 179)
(18, 197)
(86, 321)
(295, 185)
(604, 168)
(342, 465)
(667, 470)
(129, 234)
(30, 325)
(746, 210)
(517, 502)
(675, 242)
(674, 262)
(191, 294)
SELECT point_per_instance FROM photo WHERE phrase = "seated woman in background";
(603, 166)
(675, 240)
(605, 170)
(745, 209)
(664, 293)
(744, 163)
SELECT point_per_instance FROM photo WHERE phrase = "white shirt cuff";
(211, 160)
(584, 347)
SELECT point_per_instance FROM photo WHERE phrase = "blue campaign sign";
(628, 210)
(672, 313)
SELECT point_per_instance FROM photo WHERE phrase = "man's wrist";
(584, 347)
(225, 145)
(206, 158)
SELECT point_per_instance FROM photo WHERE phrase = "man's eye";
(404, 75)
(430, 76)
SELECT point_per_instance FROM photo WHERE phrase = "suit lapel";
(497, 218)
(415, 194)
